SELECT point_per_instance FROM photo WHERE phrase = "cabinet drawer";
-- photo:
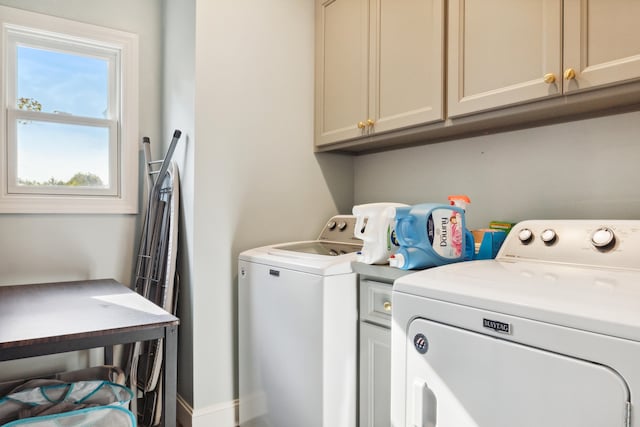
(375, 302)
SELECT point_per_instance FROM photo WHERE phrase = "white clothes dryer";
(547, 334)
(297, 316)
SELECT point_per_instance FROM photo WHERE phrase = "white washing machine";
(297, 315)
(547, 334)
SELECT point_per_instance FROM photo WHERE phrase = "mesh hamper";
(80, 403)
(100, 416)
(105, 372)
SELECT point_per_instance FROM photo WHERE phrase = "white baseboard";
(218, 415)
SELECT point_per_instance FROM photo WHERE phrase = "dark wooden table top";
(54, 312)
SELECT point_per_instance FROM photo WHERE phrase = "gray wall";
(43, 248)
(244, 97)
(582, 169)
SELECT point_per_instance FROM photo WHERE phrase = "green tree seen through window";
(29, 104)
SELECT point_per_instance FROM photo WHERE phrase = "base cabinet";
(375, 375)
(374, 372)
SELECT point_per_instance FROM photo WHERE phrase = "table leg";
(108, 355)
(170, 373)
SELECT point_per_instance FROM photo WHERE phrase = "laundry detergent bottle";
(375, 225)
(430, 235)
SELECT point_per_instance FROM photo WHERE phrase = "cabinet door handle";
(361, 125)
(569, 74)
(370, 122)
(387, 306)
(549, 78)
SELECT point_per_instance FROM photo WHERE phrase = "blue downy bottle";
(431, 234)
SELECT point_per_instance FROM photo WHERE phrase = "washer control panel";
(340, 228)
(598, 243)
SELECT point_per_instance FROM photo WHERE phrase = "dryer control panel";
(597, 243)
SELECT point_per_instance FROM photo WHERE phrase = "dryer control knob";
(331, 225)
(603, 237)
(342, 225)
(548, 236)
(525, 235)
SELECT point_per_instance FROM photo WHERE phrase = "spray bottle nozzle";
(459, 200)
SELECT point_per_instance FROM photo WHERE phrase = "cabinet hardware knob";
(370, 122)
(387, 306)
(569, 74)
(549, 78)
(361, 125)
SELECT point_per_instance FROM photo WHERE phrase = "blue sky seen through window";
(62, 83)
(59, 151)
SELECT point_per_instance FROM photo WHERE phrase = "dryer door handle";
(424, 405)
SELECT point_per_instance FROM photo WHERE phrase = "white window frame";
(18, 27)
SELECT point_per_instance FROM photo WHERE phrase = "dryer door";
(458, 378)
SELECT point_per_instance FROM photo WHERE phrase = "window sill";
(21, 204)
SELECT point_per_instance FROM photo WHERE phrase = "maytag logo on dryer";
(503, 328)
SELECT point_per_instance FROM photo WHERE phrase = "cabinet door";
(342, 57)
(375, 376)
(406, 76)
(602, 42)
(500, 51)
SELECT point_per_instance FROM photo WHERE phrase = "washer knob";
(603, 237)
(548, 236)
(342, 225)
(525, 235)
(331, 225)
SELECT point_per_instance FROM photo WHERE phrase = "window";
(69, 132)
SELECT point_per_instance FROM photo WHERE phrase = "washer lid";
(319, 247)
(605, 301)
(310, 261)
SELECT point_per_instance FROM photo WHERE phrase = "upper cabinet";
(379, 66)
(502, 52)
(601, 43)
(499, 51)
(509, 64)
(342, 66)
